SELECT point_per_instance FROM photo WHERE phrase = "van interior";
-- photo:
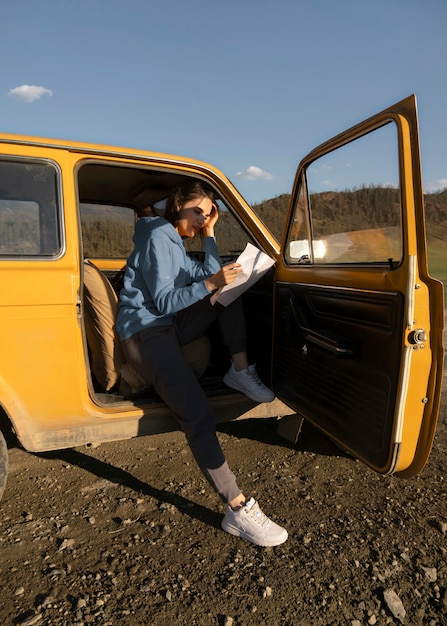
(112, 197)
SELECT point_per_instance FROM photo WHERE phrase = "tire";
(3, 464)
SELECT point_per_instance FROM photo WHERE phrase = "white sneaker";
(248, 382)
(250, 523)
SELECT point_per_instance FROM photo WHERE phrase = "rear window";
(107, 231)
(30, 224)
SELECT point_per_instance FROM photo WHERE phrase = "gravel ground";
(129, 533)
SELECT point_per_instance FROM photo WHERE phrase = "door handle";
(338, 345)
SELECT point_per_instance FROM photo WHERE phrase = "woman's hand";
(210, 221)
(224, 276)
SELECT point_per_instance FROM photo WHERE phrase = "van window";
(107, 231)
(29, 209)
(348, 209)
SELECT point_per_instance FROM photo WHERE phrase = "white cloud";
(29, 93)
(254, 173)
(436, 185)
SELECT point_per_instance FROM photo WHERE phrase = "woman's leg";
(241, 376)
(194, 321)
(156, 354)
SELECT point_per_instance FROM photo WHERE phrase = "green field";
(437, 263)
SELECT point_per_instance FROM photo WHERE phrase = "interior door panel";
(344, 350)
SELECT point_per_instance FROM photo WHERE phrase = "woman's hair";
(185, 192)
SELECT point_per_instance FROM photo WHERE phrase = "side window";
(112, 196)
(107, 231)
(30, 224)
(348, 209)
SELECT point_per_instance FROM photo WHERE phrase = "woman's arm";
(167, 276)
(220, 276)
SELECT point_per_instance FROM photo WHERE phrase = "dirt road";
(129, 533)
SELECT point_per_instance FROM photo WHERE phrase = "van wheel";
(3, 464)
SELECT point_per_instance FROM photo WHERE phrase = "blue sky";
(250, 86)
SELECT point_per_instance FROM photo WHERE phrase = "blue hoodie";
(160, 278)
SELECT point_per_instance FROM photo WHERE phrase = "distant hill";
(436, 214)
(337, 207)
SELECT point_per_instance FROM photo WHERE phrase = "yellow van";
(347, 326)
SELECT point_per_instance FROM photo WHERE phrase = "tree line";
(357, 209)
(340, 211)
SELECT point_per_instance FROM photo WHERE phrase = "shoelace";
(257, 515)
(255, 377)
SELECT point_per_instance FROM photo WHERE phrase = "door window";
(348, 208)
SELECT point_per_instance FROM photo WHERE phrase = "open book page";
(255, 264)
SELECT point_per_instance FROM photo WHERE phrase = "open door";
(358, 322)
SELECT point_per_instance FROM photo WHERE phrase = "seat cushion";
(101, 308)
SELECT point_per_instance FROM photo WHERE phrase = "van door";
(358, 321)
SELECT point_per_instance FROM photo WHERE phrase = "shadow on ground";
(265, 431)
(120, 476)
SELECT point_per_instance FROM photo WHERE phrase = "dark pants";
(156, 354)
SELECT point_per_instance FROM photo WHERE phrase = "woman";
(165, 304)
